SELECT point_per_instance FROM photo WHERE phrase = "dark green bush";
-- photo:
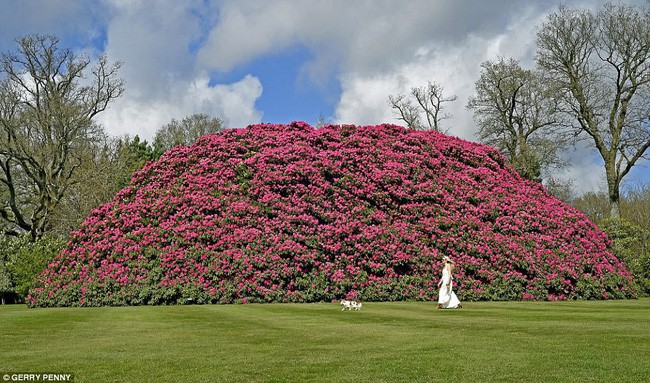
(22, 260)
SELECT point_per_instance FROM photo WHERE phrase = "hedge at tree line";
(290, 213)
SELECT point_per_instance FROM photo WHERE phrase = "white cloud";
(364, 99)
(234, 103)
(152, 42)
(454, 64)
(350, 35)
(162, 79)
(367, 43)
(247, 30)
(585, 170)
(372, 48)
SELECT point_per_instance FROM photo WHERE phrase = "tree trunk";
(614, 209)
(613, 186)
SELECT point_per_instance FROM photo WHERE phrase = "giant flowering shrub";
(289, 213)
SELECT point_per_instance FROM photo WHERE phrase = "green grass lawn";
(584, 341)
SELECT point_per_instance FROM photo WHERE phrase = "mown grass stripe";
(596, 341)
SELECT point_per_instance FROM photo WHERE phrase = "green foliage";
(107, 171)
(22, 260)
(502, 289)
(630, 244)
(635, 206)
(527, 164)
(135, 153)
(562, 189)
(588, 288)
(130, 154)
(631, 235)
(186, 131)
(594, 205)
(6, 287)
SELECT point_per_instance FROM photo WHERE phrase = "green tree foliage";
(109, 165)
(631, 245)
(515, 111)
(104, 174)
(636, 205)
(186, 131)
(47, 106)
(6, 287)
(23, 259)
(599, 66)
(594, 205)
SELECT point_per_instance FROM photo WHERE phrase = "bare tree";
(46, 110)
(322, 121)
(406, 110)
(515, 111)
(600, 66)
(426, 100)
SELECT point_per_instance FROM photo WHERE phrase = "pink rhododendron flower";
(290, 213)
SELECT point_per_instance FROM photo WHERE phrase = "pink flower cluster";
(290, 213)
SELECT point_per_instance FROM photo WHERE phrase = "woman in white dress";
(447, 299)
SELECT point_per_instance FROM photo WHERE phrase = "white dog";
(350, 305)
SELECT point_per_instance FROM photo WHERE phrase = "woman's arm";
(446, 277)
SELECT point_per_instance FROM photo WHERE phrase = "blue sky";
(250, 61)
(289, 94)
